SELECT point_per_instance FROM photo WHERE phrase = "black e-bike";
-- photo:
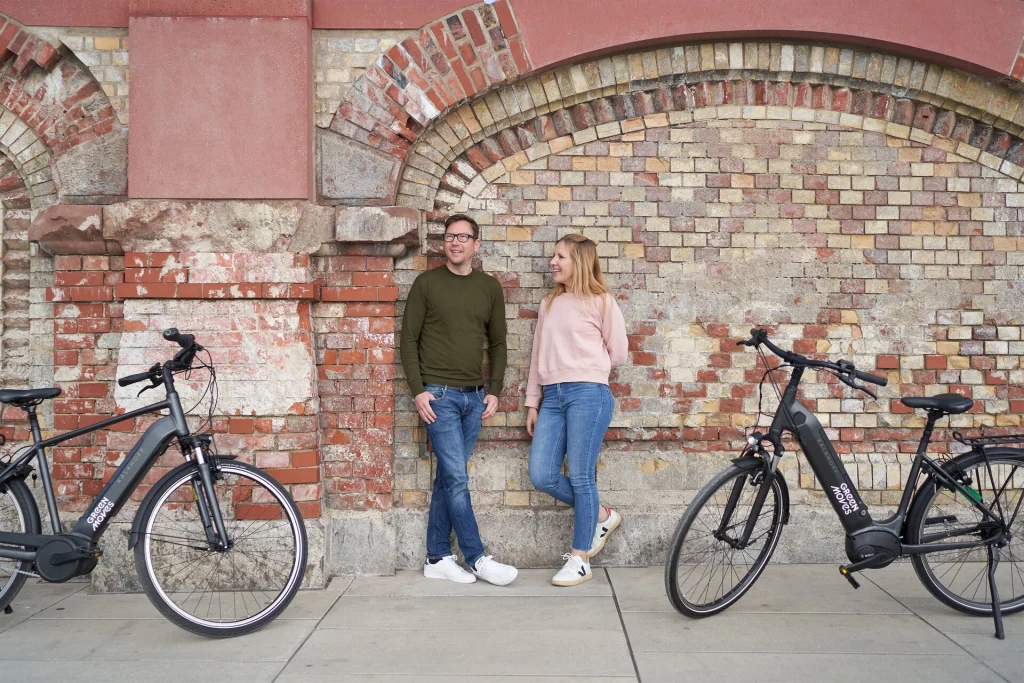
(219, 546)
(958, 518)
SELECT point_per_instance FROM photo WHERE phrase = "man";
(450, 311)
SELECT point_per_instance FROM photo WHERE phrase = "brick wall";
(354, 331)
(903, 257)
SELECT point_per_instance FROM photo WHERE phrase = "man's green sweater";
(447, 319)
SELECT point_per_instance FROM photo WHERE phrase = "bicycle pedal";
(8, 610)
(849, 577)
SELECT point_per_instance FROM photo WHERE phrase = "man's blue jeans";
(453, 437)
(571, 424)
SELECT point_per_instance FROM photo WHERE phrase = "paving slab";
(672, 667)
(530, 582)
(467, 653)
(470, 612)
(36, 596)
(790, 633)
(949, 621)
(145, 640)
(781, 588)
(304, 677)
(148, 671)
(308, 604)
(1004, 656)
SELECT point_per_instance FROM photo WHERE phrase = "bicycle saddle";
(20, 396)
(946, 403)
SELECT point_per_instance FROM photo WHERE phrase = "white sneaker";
(448, 568)
(575, 571)
(495, 572)
(604, 530)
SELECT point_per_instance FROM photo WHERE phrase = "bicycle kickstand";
(997, 611)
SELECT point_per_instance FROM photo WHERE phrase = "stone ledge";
(168, 226)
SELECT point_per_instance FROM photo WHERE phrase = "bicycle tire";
(18, 514)
(246, 511)
(930, 567)
(774, 505)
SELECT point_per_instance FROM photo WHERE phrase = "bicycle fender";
(749, 462)
(140, 514)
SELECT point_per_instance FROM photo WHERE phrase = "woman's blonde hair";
(587, 280)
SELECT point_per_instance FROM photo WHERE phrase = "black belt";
(464, 390)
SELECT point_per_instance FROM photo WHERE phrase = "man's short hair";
(456, 217)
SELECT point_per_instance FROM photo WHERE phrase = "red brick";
(888, 362)
(298, 475)
(935, 362)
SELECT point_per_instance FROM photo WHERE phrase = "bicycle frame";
(117, 491)
(842, 493)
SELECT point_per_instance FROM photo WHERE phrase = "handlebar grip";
(132, 379)
(183, 340)
(868, 377)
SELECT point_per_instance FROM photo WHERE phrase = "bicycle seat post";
(44, 469)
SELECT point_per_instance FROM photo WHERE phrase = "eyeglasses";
(462, 237)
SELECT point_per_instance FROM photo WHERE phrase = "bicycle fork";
(206, 499)
(767, 474)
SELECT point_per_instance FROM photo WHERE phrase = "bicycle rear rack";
(988, 440)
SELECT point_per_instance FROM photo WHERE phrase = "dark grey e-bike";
(961, 525)
(220, 547)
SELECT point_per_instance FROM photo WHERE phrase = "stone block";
(94, 171)
(71, 229)
(223, 226)
(354, 173)
(362, 543)
(376, 224)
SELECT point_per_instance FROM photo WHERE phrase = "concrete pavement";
(799, 622)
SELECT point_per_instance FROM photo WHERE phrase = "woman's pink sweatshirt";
(576, 340)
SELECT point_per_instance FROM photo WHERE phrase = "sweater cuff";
(533, 401)
(494, 388)
(416, 387)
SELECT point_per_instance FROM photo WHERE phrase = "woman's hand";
(531, 420)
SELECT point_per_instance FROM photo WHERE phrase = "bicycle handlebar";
(181, 361)
(844, 369)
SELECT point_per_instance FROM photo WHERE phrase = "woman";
(580, 337)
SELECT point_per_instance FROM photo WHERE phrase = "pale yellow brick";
(517, 234)
(557, 193)
(656, 165)
(107, 43)
(584, 163)
(523, 177)
(633, 251)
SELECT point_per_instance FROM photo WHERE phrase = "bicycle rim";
(708, 574)
(12, 520)
(238, 587)
(961, 576)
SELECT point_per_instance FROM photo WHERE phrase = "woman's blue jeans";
(571, 424)
(453, 436)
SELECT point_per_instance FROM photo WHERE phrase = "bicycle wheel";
(959, 578)
(18, 515)
(705, 571)
(214, 592)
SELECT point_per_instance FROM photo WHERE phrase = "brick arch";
(499, 128)
(478, 159)
(480, 55)
(52, 111)
(15, 203)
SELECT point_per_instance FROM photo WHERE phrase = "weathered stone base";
(116, 573)
(381, 542)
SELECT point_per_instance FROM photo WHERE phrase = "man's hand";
(423, 407)
(491, 406)
(531, 420)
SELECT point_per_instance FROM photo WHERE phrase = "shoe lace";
(483, 561)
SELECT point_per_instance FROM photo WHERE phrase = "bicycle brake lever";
(850, 383)
(145, 389)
